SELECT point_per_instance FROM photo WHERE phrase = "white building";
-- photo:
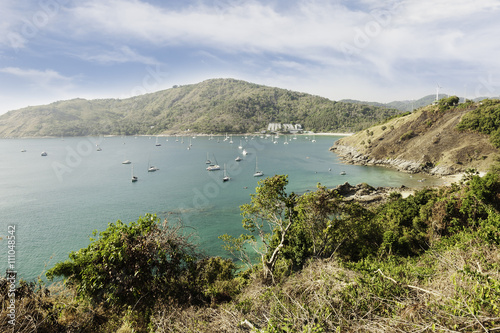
(277, 127)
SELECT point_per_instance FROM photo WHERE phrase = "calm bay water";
(56, 201)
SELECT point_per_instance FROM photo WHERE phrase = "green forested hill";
(212, 106)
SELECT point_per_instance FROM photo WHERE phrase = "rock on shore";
(368, 195)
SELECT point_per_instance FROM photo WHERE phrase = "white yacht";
(226, 177)
(257, 172)
(134, 178)
(213, 166)
(152, 168)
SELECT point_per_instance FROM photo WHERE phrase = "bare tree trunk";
(268, 265)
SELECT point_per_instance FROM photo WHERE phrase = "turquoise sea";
(56, 201)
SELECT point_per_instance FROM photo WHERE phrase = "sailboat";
(240, 146)
(286, 140)
(152, 168)
(257, 173)
(208, 161)
(213, 166)
(157, 144)
(134, 178)
(226, 177)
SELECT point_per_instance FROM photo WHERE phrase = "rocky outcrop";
(350, 155)
(366, 194)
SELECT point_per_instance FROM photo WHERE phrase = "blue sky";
(365, 49)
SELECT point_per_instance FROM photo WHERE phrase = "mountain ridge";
(211, 106)
(408, 105)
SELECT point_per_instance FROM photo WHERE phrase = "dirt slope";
(424, 141)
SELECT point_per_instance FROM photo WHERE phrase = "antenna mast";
(437, 91)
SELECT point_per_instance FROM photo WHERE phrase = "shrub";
(407, 136)
(484, 119)
(445, 103)
(131, 264)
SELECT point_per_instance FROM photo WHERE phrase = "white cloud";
(312, 30)
(45, 79)
(246, 27)
(10, 30)
(25, 21)
(23, 87)
(123, 54)
(429, 11)
(333, 46)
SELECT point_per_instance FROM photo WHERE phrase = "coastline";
(185, 133)
(350, 155)
(446, 175)
(333, 134)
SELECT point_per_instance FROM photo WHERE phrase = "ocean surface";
(56, 201)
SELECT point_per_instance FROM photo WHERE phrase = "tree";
(446, 103)
(131, 264)
(316, 211)
(269, 217)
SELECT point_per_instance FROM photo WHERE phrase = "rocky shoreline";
(367, 195)
(350, 155)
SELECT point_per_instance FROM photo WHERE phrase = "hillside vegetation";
(212, 106)
(425, 263)
(484, 119)
(438, 139)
